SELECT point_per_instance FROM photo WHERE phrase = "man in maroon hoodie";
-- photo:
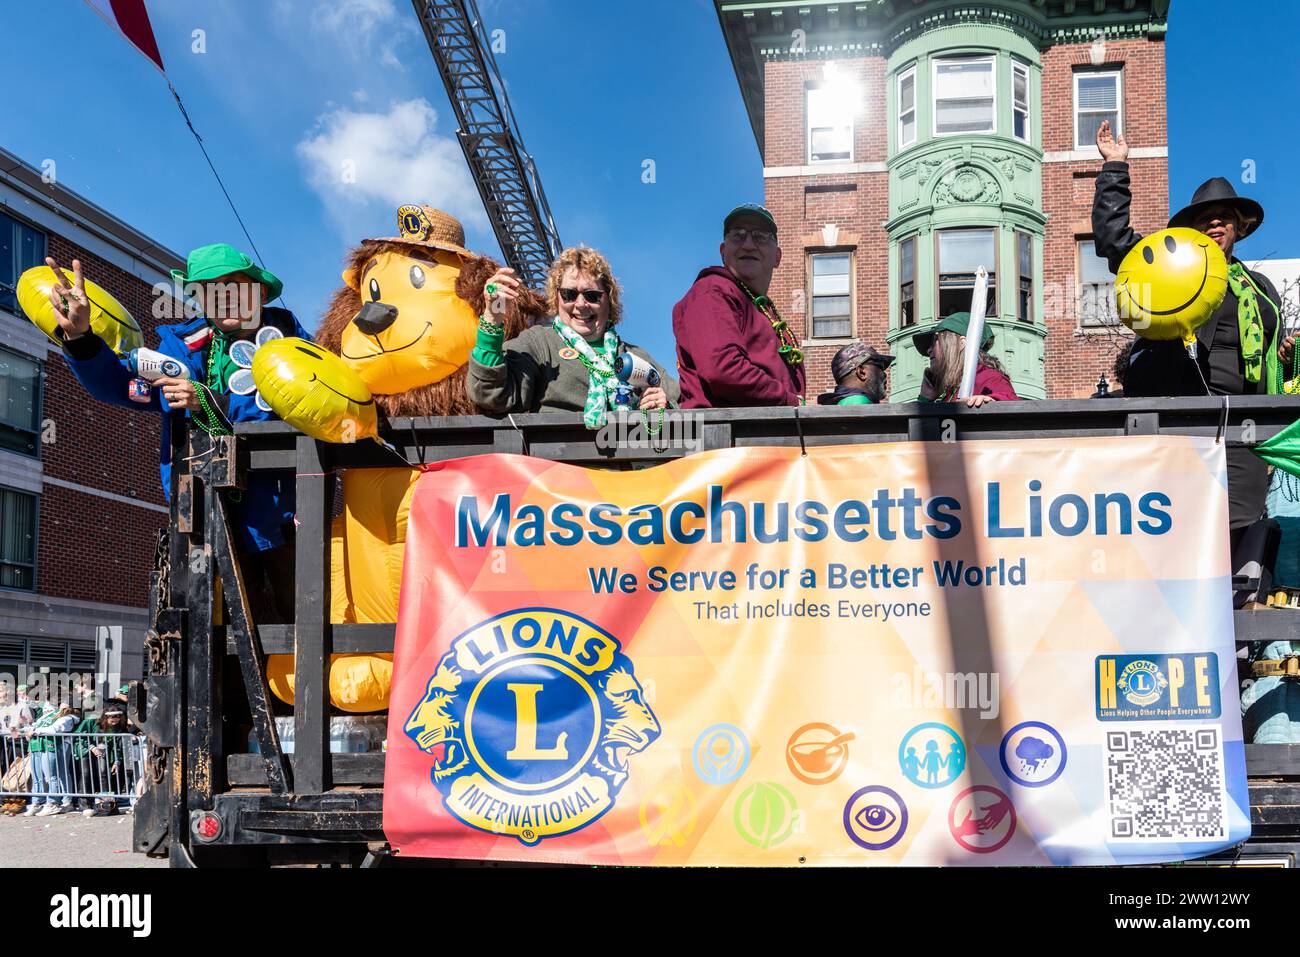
(733, 347)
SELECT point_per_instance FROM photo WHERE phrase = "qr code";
(1165, 785)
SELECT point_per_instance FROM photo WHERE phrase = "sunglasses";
(592, 296)
(761, 237)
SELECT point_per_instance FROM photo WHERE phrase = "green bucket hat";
(222, 259)
(958, 322)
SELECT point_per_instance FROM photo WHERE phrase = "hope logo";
(1142, 682)
(531, 717)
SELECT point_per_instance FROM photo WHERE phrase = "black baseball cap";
(749, 209)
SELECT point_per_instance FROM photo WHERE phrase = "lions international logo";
(532, 717)
(1142, 682)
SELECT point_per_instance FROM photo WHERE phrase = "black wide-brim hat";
(1219, 192)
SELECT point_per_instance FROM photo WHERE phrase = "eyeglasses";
(761, 237)
(592, 296)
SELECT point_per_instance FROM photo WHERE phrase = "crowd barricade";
(77, 767)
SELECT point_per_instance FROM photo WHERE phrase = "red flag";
(132, 19)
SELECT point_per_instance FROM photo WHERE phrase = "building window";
(907, 282)
(832, 300)
(17, 540)
(1025, 275)
(907, 108)
(1096, 288)
(20, 394)
(830, 126)
(961, 252)
(1020, 102)
(21, 248)
(963, 96)
(1098, 97)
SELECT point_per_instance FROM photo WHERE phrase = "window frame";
(36, 542)
(1017, 236)
(914, 242)
(38, 400)
(994, 272)
(809, 90)
(1117, 71)
(15, 223)
(992, 60)
(1022, 69)
(908, 74)
(811, 255)
(1082, 324)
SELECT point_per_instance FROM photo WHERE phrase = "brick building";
(80, 499)
(907, 142)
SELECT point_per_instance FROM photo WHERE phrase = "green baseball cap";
(958, 322)
(221, 259)
(752, 210)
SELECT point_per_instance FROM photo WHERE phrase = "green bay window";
(907, 282)
(1025, 277)
(960, 253)
(964, 95)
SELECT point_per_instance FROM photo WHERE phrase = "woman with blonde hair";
(575, 363)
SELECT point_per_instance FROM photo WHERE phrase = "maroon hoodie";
(726, 349)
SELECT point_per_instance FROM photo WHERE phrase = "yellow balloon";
(358, 683)
(109, 319)
(1169, 285)
(314, 391)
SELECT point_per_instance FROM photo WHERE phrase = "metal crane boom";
(489, 135)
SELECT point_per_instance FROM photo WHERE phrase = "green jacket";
(530, 375)
(112, 743)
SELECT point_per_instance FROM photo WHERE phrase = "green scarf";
(601, 381)
(1250, 323)
(220, 366)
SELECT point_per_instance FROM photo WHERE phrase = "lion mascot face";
(404, 321)
(406, 317)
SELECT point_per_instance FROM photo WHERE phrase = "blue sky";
(287, 90)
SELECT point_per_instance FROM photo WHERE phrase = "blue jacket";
(268, 502)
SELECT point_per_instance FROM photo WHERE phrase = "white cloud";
(365, 165)
(370, 28)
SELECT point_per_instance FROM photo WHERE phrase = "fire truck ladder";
(489, 135)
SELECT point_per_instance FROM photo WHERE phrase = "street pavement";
(70, 840)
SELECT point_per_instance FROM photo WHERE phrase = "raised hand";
(505, 289)
(1112, 150)
(71, 307)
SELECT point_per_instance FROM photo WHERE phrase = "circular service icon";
(932, 755)
(875, 817)
(818, 752)
(721, 754)
(1033, 754)
(765, 814)
(982, 819)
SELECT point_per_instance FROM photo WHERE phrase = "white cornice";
(823, 169)
(1091, 154)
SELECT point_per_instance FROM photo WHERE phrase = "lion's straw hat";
(429, 227)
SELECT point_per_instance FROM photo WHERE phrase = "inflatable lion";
(405, 321)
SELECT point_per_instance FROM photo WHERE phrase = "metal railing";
(68, 767)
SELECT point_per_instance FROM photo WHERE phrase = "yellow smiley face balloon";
(108, 318)
(1169, 285)
(314, 391)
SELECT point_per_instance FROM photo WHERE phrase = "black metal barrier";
(212, 801)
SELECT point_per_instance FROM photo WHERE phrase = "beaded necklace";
(654, 429)
(787, 346)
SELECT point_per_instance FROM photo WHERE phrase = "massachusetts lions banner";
(999, 652)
